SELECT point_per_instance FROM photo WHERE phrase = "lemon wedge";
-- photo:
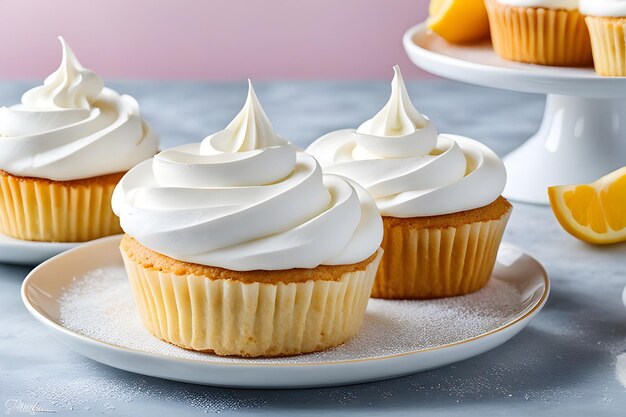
(459, 21)
(596, 212)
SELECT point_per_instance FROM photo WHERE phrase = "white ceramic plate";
(44, 285)
(479, 64)
(23, 252)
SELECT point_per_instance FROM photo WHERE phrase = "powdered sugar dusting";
(100, 306)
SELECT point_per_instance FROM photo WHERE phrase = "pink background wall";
(210, 39)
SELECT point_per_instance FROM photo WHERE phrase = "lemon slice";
(596, 212)
(459, 21)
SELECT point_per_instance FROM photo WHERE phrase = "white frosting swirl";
(244, 199)
(249, 130)
(419, 173)
(603, 8)
(72, 127)
(546, 4)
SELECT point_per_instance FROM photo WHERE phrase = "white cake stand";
(583, 133)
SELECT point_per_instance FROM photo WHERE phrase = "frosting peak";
(71, 86)
(249, 130)
(72, 127)
(419, 173)
(399, 117)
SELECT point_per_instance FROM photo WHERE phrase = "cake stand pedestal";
(583, 133)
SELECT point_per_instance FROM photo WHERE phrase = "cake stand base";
(580, 140)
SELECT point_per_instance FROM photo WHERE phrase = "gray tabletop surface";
(566, 363)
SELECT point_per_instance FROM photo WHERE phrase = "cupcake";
(606, 20)
(545, 32)
(240, 246)
(439, 196)
(62, 151)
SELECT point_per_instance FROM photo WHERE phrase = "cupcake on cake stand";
(583, 133)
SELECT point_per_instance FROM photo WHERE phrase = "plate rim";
(422, 27)
(531, 311)
(32, 252)
(542, 83)
(15, 242)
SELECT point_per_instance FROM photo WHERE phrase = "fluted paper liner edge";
(539, 36)
(230, 317)
(440, 262)
(608, 42)
(40, 210)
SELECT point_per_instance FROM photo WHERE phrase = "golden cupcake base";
(252, 313)
(38, 209)
(608, 41)
(440, 256)
(539, 36)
